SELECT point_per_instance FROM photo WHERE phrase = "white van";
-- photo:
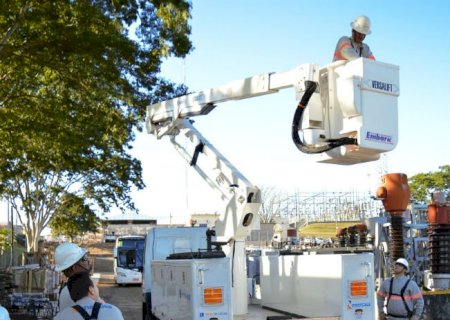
(162, 242)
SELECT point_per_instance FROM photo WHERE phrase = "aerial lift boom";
(347, 114)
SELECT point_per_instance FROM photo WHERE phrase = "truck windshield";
(130, 253)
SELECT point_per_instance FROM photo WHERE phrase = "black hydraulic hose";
(197, 151)
(310, 87)
(309, 148)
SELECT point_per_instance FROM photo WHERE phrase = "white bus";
(128, 259)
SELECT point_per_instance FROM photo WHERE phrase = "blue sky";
(237, 39)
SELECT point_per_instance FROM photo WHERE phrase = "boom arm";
(351, 116)
(162, 118)
(242, 199)
(171, 118)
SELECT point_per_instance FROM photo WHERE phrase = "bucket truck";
(347, 114)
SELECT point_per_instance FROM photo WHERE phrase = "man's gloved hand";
(415, 317)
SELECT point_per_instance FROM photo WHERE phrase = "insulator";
(396, 247)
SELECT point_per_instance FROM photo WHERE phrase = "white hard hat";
(4, 315)
(361, 24)
(67, 254)
(403, 262)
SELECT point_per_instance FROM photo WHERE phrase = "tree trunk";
(36, 250)
(29, 238)
(32, 237)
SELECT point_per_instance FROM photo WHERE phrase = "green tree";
(76, 78)
(73, 217)
(5, 240)
(422, 185)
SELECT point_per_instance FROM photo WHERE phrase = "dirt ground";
(100, 248)
(128, 299)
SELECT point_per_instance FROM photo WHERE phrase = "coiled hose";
(310, 87)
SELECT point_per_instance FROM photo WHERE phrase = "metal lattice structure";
(329, 206)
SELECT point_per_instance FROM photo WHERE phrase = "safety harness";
(60, 290)
(85, 315)
(402, 293)
(356, 49)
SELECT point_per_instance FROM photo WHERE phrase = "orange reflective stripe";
(345, 44)
(338, 56)
(398, 298)
(416, 296)
(407, 298)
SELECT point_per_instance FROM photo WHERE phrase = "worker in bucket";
(87, 306)
(350, 48)
(400, 295)
(70, 259)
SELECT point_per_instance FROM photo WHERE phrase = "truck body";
(128, 259)
(197, 289)
(162, 242)
(319, 285)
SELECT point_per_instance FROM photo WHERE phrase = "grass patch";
(324, 229)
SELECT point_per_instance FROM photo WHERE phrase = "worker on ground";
(352, 48)
(70, 259)
(86, 295)
(401, 295)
